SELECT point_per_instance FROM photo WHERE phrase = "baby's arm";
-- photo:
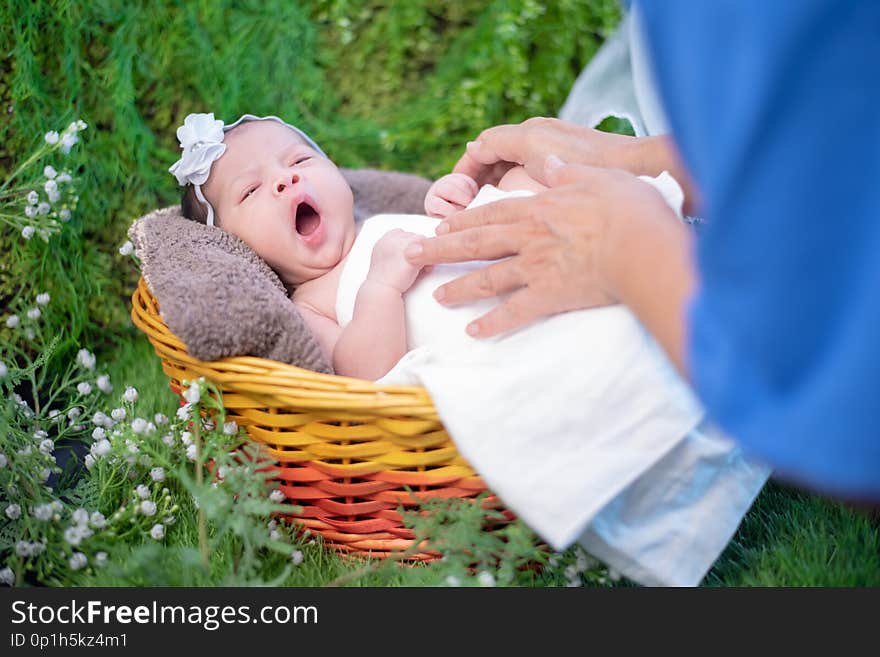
(375, 339)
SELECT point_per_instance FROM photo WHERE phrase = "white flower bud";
(43, 208)
(101, 448)
(142, 491)
(160, 419)
(7, 576)
(49, 171)
(34, 313)
(86, 358)
(3, 370)
(277, 496)
(83, 388)
(43, 298)
(139, 425)
(230, 428)
(27, 232)
(100, 558)
(33, 198)
(3, 460)
(158, 531)
(104, 385)
(157, 474)
(191, 452)
(64, 214)
(89, 461)
(51, 137)
(127, 248)
(192, 394)
(13, 511)
(130, 394)
(118, 414)
(296, 557)
(78, 561)
(148, 508)
(12, 321)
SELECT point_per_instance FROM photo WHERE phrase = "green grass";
(401, 86)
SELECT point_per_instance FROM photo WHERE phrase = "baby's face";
(286, 201)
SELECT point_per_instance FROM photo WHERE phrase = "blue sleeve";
(774, 106)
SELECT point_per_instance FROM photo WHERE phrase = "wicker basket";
(349, 452)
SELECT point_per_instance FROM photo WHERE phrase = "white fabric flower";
(13, 511)
(126, 248)
(130, 394)
(43, 298)
(157, 474)
(12, 321)
(86, 358)
(78, 561)
(148, 508)
(142, 491)
(192, 394)
(201, 138)
(83, 388)
(104, 385)
(51, 137)
(158, 531)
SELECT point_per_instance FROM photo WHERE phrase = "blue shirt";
(775, 107)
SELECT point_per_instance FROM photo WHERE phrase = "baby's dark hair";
(191, 207)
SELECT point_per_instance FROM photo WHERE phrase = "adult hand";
(529, 143)
(562, 246)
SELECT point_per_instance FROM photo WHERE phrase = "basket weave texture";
(349, 452)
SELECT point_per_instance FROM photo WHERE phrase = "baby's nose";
(286, 181)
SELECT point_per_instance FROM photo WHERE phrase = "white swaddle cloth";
(562, 418)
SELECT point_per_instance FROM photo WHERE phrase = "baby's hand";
(449, 194)
(389, 266)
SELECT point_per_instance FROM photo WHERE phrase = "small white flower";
(296, 557)
(51, 137)
(34, 313)
(193, 394)
(100, 558)
(275, 535)
(222, 471)
(33, 198)
(13, 511)
(486, 578)
(29, 334)
(63, 177)
(55, 415)
(64, 214)
(86, 358)
(42, 512)
(73, 535)
(99, 431)
(230, 428)
(118, 414)
(101, 448)
(73, 413)
(45, 473)
(26, 451)
(452, 580)
(160, 419)
(191, 452)
(47, 446)
(157, 474)
(168, 439)
(97, 520)
(12, 321)
(43, 298)
(23, 549)
(7, 577)
(142, 491)
(78, 561)
(43, 208)
(186, 438)
(277, 496)
(3, 460)
(51, 187)
(130, 395)
(139, 425)
(49, 171)
(30, 212)
(273, 524)
(83, 388)
(81, 516)
(158, 531)
(148, 508)
(3, 370)
(132, 447)
(104, 385)
(53, 194)
(89, 461)
(81, 125)
(68, 139)
(27, 232)
(127, 248)
(183, 412)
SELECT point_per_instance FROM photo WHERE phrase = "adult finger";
(519, 309)
(497, 213)
(489, 281)
(481, 243)
(558, 173)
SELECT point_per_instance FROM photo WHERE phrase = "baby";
(269, 184)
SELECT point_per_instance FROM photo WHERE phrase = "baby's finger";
(458, 192)
(490, 281)
(439, 208)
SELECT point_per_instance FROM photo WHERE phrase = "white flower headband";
(201, 138)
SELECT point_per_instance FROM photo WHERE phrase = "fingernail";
(442, 228)
(553, 162)
(439, 294)
(414, 250)
(473, 330)
(476, 143)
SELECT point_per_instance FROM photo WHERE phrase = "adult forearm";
(375, 339)
(650, 270)
(650, 156)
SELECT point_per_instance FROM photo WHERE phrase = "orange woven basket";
(349, 452)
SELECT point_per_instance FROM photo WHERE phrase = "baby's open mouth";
(307, 219)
